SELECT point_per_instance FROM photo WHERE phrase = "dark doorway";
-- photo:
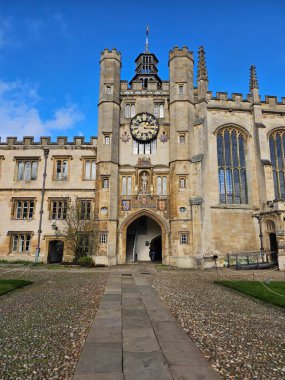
(55, 251)
(273, 247)
(140, 235)
(155, 249)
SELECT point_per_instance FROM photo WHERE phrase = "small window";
(109, 90)
(105, 183)
(127, 111)
(58, 209)
(181, 89)
(24, 209)
(161, 111)
(182, 182)
(61, 168)
(183, 237)
(104, 238)
(21, 243)
(156, 110)
(90, 169)
(182, 139)
(133, 110)
(107, 140)
(27, 170)
(161, 185)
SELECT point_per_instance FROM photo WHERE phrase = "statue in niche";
(144, 182)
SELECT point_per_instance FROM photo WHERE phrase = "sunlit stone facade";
(175, 171)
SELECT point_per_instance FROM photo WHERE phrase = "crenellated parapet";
(181, 52)
(238, 100)
(45, 141)
(110, 54)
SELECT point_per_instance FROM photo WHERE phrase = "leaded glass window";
(232, 167)
(277, 154)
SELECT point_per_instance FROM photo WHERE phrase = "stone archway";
(122, 234)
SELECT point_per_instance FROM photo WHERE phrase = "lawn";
(258, 290)
(10, 285)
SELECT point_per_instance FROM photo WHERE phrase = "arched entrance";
(55, 251)
(273, 245)
(139, 232)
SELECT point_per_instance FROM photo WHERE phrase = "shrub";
(86, 261)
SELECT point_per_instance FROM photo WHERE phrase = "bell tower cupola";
(146, 67)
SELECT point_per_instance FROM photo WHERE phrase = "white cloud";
(20, 115)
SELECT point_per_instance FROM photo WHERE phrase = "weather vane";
(146, 39)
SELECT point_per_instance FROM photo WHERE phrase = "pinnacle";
(253, 82)
(202, 68)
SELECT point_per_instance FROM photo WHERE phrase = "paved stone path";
(135, 337)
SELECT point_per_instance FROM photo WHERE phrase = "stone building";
(175, 172)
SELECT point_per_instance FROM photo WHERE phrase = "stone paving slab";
(135, 337)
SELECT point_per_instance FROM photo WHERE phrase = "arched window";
(164, 186)
(232, 167)
(124, 186)
(129, 186)
(133, 110)
(127, 111)
(158, 185)
(277, 155)
(161, 111)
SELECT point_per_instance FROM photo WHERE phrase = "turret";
(109, 105)
(253, 85)
(202, 74)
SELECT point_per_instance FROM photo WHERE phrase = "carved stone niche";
(144, 162)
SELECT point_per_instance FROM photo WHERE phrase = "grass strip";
(257, 290)
(10, 285)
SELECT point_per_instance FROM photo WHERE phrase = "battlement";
(180, 52)
(224, 99)
(110, 54)
(46, 141)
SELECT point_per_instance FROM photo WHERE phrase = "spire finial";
(146, 40)
(202, 68)
(253, 82)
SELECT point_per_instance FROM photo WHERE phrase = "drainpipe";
(46, 153)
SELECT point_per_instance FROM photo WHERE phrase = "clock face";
(144, 127)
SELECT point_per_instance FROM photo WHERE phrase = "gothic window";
(90, 169)
(124, 185)
(133, 110)
(85, 209)
(162, 185)
(144, 148)
(58, 209)
(61, 169)
(127, 111)
(109, 90)
(182, 182)
(158, 185)
(24, 209)
(129, 186)
(182, 138)
(27, 170)
(159, 111)
(277, 155)
(181, 89)
(107, 139)
(232, 167)
(105, 183)
(21, 242)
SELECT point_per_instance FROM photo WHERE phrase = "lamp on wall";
(54, 226)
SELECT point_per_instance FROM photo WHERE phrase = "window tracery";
(232, 166)
(277, 155)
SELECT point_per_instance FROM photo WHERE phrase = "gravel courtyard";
(43, 326)
(242, 338)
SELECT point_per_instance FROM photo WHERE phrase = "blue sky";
(49, 53)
